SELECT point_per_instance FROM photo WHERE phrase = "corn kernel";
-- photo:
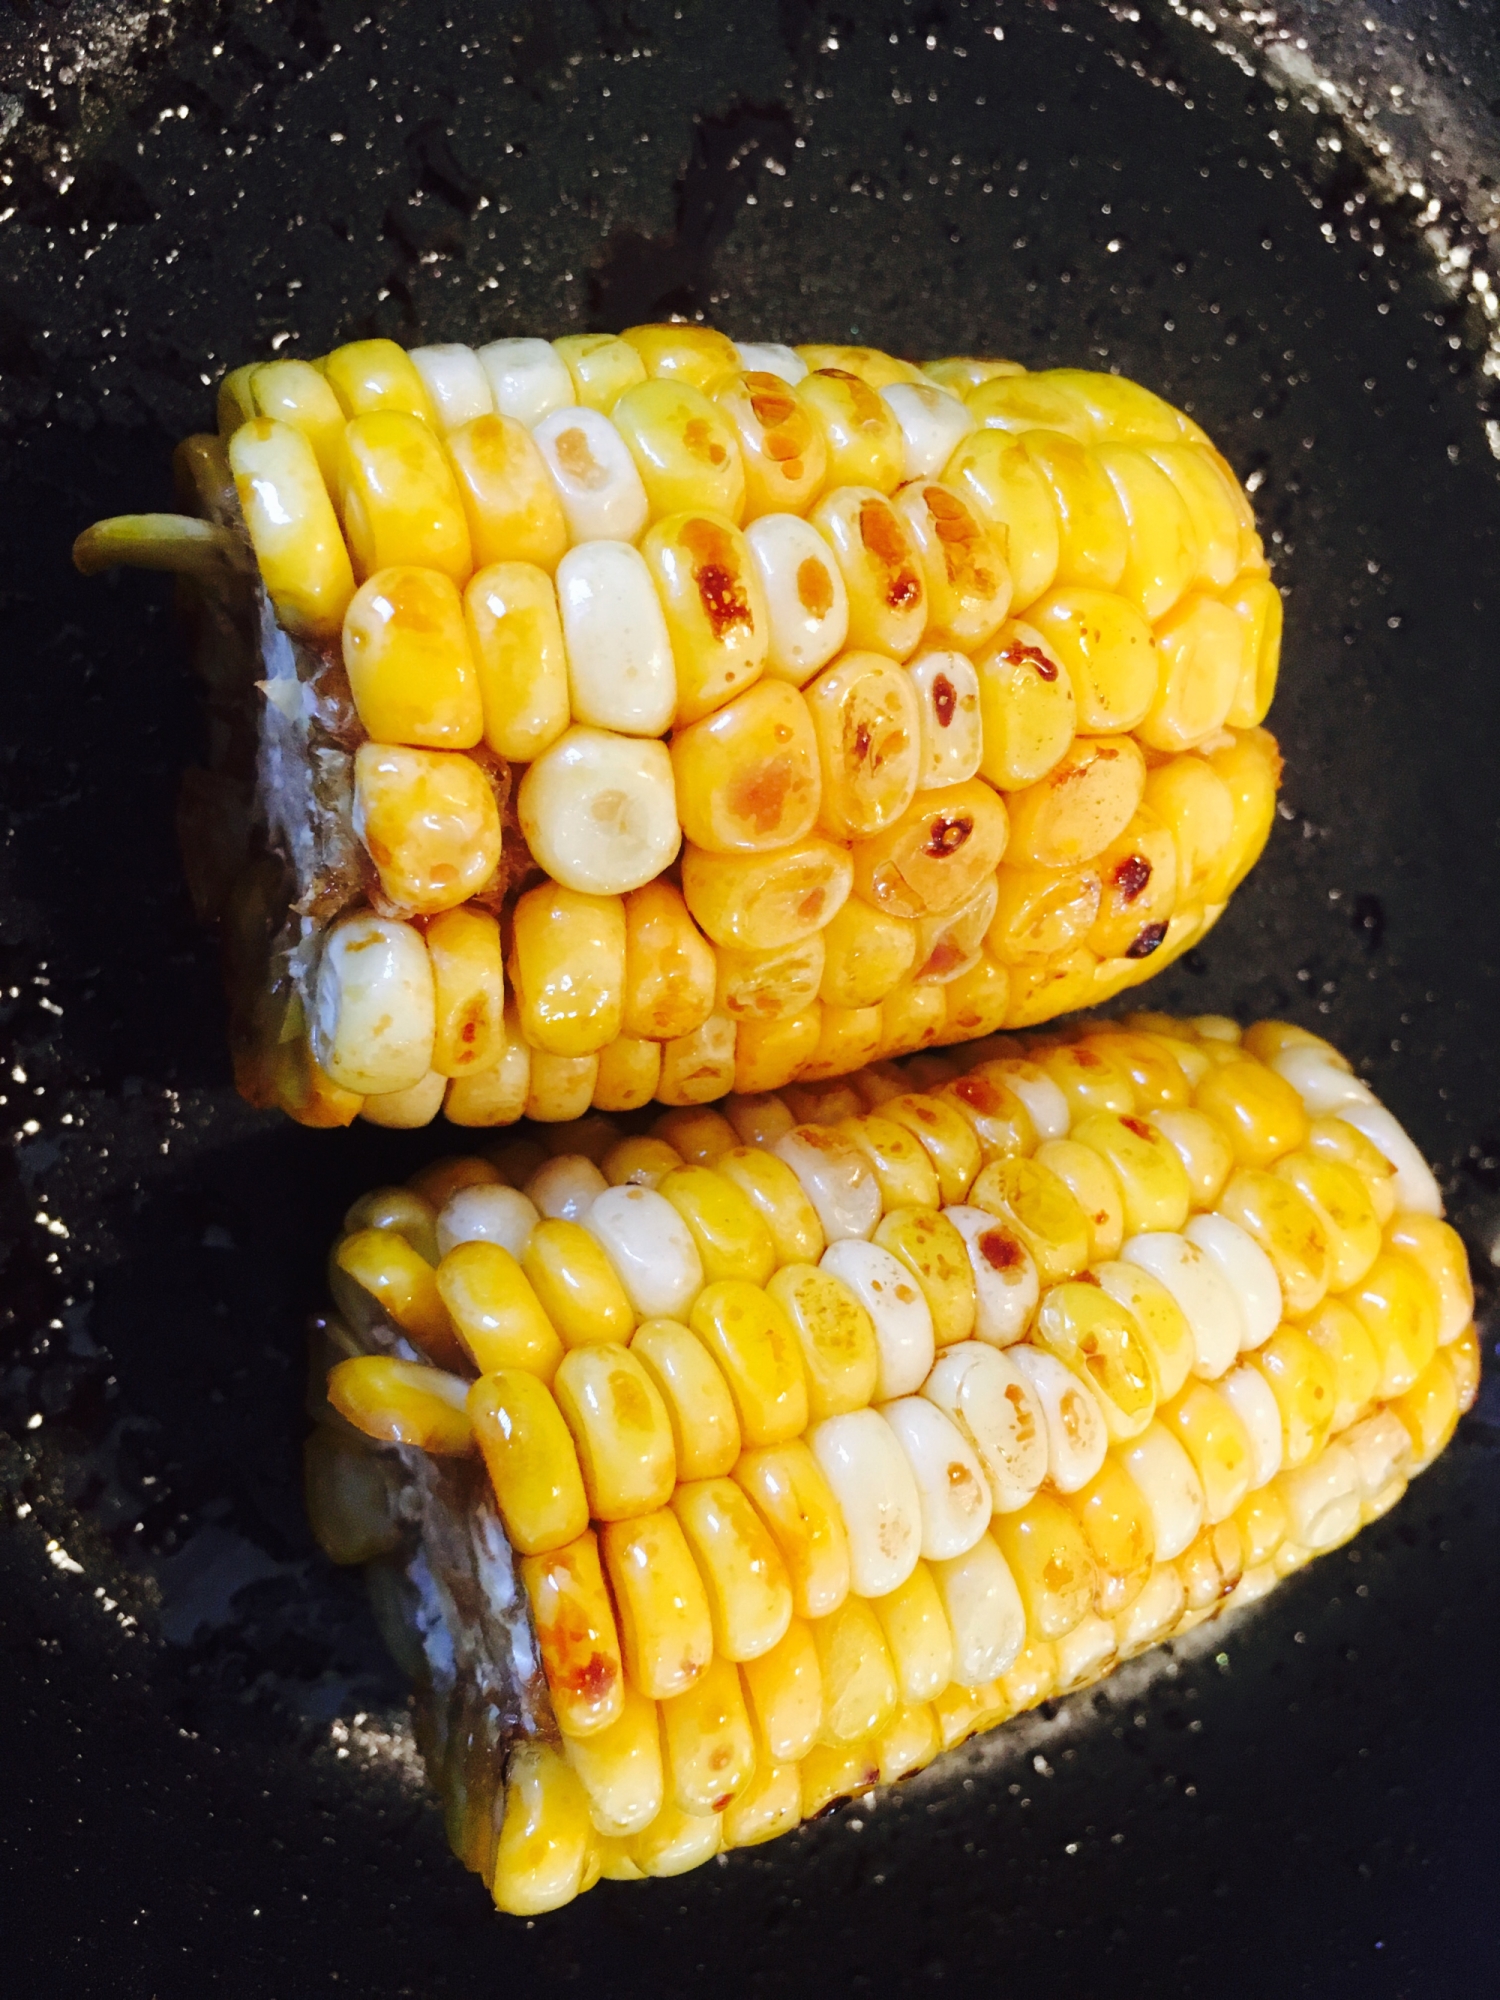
(776, 1194)
(996, 473)
(770, 1805)
(1092, 542)
(620, 1429)
(715, 610)
(1462, 1357)
(1439, 1251)
(918, 1635)
(684, 448)
(1207, 1426)
(469, 992)
(596, 479)
(936, 855)
(559, 1088)
(1085, 802)
(700, 1410)
(860, 1691)
(509, 500)
(1000, 1120)
(747, 776)
(568, 969)
(411, 671)
(1257, 601)
(769, 1053)
(832, 1772)
(430, 823)
(299, 550)
(753, 902)
(629, 1072)
(1036, 1205)
(1337, 1197)
(620, 1767)
(1260, 1112)
(792, 1497)
(453, 376)
(1118, 1529)
(861, 436)
(676, 1842)
(376, 375)
(669, 969)
(498, 1316)
(901, 1166)
(532, 1464)
(575, 1628)
(781, 447)
(403, 1402)
(700, 1066)
(665, 1631)
(1161, 540)
(963, 566)
(1399, 1306)
(399, 500)
(1047, 1555)
(1304, 1384)
(835, 1335)
(682, 353)
(1211, 505)
(959, 373)
(806, 602)
(1335, 1139)
(1286, 1225)
(544, 1835)
(401, 1281)
(947, 1138)
(577, 1286)
(1322, 1503)
(747, 1334)
(784, 1693)
(730, 1236)
(908, 1743)
(602, 366)
(749, 1591)
(1097, 1337)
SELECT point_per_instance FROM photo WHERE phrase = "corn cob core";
(831, 1427)
(746, 714)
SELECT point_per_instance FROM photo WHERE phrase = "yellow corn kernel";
(768, 1054)
(299, 549)
(866, 727)
(1462, 1357)
(1258, 1110)
(911, 1017)
(959, 373)
(860, 433)
(747, 1334)
(926, 1242)
(749, 1592)
(788, 1490)
(1117, 1526)
(707, 1748)
(1161, 540)
(1429, 1409)
(384, 1265)
(306, 1092)
(297, 394)
(1040, 991)
(676, 1842)
(978, 1001)
(1256, 601)
(498, 1316)
(576, 1285)
(1201, 648)
(235, 402)
(1201, 1146)
(683, 447)
(1092, 539)
(1152, 1179)
(1212, 503)
(1304, 1385)
(918, 1636)
(1097, 1338)
(1438, 1250)
(781, 447)
(545, 1833)
(1050, 1560)
(508, 498)
(1001, 1122)
(760, 988)
(963, 565)
(901, 1165)
(784, 1693)
(830, 1772)
(1084, 803)
(400, 501)
(860, 1690)
(732, 1240)
(948, 1139)
(469, 987)
(1209, 1430)
(1352, 1355)
(670, 972)
(620, 1429)
(619, 1767)
(530, 1458)
(665, 1631)
(937, 854)
(370, 375)
(1212, 1565)
(568, 969)
(639, 1161)
(770, 1805)
(401, 1209)
(754, 902)
(870, 364)
(430, 822)
(958, 1712)
(882, 569)
(747, 776)
(714, 606)
(521, 662)
(995, 473)
(700, 1410)
(629, 1071)
(866, 951)
(775, 1193)
(698, 1067)
(1337, 1196)
(835, 1336)
(682, 353)
(1333, 1139)
(1031, 1677)
(1262, 1521)
(848, 1038)
(1092, 1184)
(602, 366)
(1286, 1225)
(1193, 802)
(1027, 708)
(411, 670)
(1138, 877)
(1036, 1205)
(1399, 1305)
(575, 1630)
(1106, 646)
(559, 1088)
(698, 1134)
(403, 1402)
(908, 1743)
(1022, 403)
(1154, 1072)
(1040, 912)
(444, 1176)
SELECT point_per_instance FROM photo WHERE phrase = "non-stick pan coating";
(1305, 1805)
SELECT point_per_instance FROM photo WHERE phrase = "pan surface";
(207, 1781)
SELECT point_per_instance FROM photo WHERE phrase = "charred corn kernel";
(404, 1402)
(1001, 1122)
(899, 1162)
(1259, 1112)
(781, 447)
(405, 1110)
(568, 969)
(1400, 1307)
(994, 1408)
(700, 1410)
(747, 776)
(665, 1630)
(1036, 1206)
(770, 1804)
(1077, 1436)
(731, 1238)
(411, 1215)
(707, 1747)
(1137, 873)
(1089, 1179)
(602, 367)
(411, 670)
(1201, 1291)
(881, 566)
(577, 1285)
(1201, 1146)
(430, 823)
(293, 529)
(620, 1430)
(866, 730)
(918, 1635)
(803, 1517)
(1086, 800)
(559, 1088)
(1118, 1528)
(595, 476)
(386, 1267)
(951, 1485)
(1006, 1286)
(1098, 1339)
(840, 1355)
(468, 992)
(807, 605)
(575, 1629)
(1040, 913)
(458, 389)
(1462, 1357)
(619, 658)
(1106, 647)
(698, 1066)
(1153, 1182)
(683, 353)
(1438, 1252)
(908, 1743)
(498, 1316)
(629, 1072)
(297, 394)
(650, 1247)
(936, 854)
(544, 1836)
(715, 611)
(860, 434)
(1207, 1426)
(877, 1497)
(508, 498)
(620, 1767)
(947, 690)
(1322, 1500)
(776, 1194)
(1304, 1385)
(530, 1458)
(1168, 1482)
(860, 1690)
(836, 1179)
(1049, 1560)
(963, 567)
(783, 1690)
(935, 1254)
(749, 1591)
(399, 499)
(1346, 1344)
(676, 1841)
(984, 1611)
(368, 375)
(755, 902)
(832, 1772)
(684, 448)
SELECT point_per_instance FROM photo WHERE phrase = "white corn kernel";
(375, 1009)
(1200, 1289)
(770, 357)
(948, 697)
(993, 1407)
(1170, 1487)
(951, 1485)
(1322, 1498)
(1416, 1187)
(807, 603)
(599, 811)
(1154, 1612)
(1043, 1098)
(651, 1248)
(527, 378)
(898, 1310)
(1246, 1269)
(455, 381)
(1076, 1435)
(876, 1495)
(1250, 1396)
(1006, 1285)
(984, 1612)
(595, 476)
(1323, 1084)
(933, 426)
(620, 670)
(565, 1187)
(1382, 1451)
(1085, 1652)
(836, 1178)
(487, 1214)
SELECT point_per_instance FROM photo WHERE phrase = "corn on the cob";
(829, 1428)
(846, 708)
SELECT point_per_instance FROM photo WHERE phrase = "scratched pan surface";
(1303, 1806)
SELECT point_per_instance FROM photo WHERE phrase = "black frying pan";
(1303, 1804)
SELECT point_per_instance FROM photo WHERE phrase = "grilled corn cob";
(655, 716)
(740, 1463)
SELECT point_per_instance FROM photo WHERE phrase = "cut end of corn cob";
(761, 712)
(714, 1469)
